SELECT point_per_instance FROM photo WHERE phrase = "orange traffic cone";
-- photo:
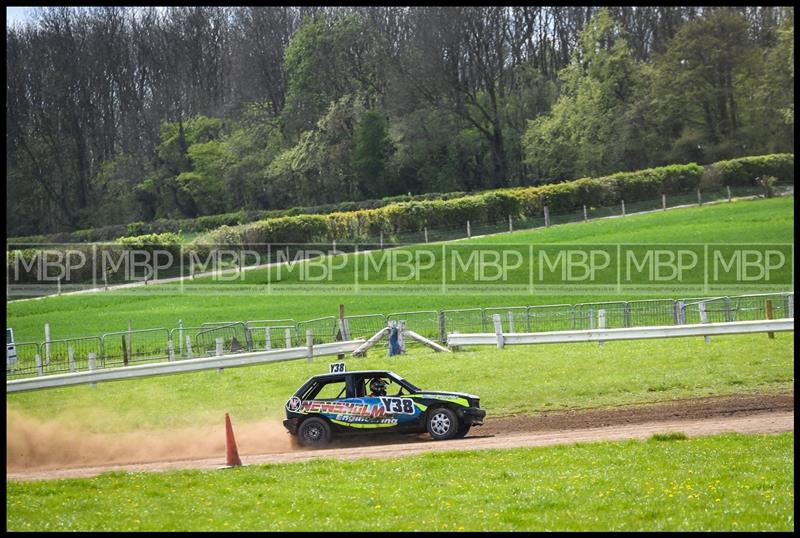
(230, 444)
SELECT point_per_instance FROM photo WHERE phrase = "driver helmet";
(378, 387)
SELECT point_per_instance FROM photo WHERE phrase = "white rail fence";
(308, 352)
(501, 339)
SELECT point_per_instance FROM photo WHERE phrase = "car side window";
(331, 390)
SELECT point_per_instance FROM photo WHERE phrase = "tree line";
(121, 114)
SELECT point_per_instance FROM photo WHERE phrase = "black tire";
(314, 432)
(442, 424)
(463, 430)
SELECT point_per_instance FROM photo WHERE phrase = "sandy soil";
(37, 451)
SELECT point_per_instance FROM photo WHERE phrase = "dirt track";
(697, 417)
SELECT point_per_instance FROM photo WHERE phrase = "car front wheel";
(442, 424)
(314, 432)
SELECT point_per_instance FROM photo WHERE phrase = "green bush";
(743, 172)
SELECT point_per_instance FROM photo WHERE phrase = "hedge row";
(490, 207)
(20, 263)
(211, 222)
(746, 170)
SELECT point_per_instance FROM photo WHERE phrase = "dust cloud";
(32, 444)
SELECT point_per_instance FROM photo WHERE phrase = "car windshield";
(404, 382)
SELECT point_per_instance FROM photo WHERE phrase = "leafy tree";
(372, 148)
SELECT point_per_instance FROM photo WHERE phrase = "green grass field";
(517, 379)
(758, 222)
(721, 483)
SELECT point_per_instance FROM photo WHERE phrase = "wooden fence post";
(728, 187)
(699, 198)
(39, 369)
(189, 346)
(769, 316)
(585, 214)
(442, 328)
(426, 234)
(71, 357)
(510, 225)
(546, 217)
(469, 234)
(623, 208)
(663, 202)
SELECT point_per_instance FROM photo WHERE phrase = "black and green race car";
(376, 401)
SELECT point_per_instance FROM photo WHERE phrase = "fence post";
(623, 208)
(171, 350)
(546, 217)
(93, 365)
(728, 187)
(130, 339)
(189, 346)
(180, 337)
(699, 199)
(626, 314)
(790, 306)
(219, 350)
(39, 369)
(510, 225)
(71, 356)
(59, 286)
(442, 328)
(511, 322)
(47, 344)
(498, 330)
(124, 350)
(469, 234)
(400, 340)
(426, 234)
(679, 312)
(663, 202)
(381, 239)
(585, 214)
(601, 322)
(728, 310)
(769, 316)
(701, 306)
(591, 318)
(310, 345)
(287, 333)
(267, 339)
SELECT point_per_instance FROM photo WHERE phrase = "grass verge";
(722, 483)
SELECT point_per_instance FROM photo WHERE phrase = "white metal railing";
(501, 339)
(308, 352)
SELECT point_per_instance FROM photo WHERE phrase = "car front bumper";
(473, 416)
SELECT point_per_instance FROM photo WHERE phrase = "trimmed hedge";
(743, 172)
(489, 207)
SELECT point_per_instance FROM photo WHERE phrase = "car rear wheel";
(314, 432)
(442, 424)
